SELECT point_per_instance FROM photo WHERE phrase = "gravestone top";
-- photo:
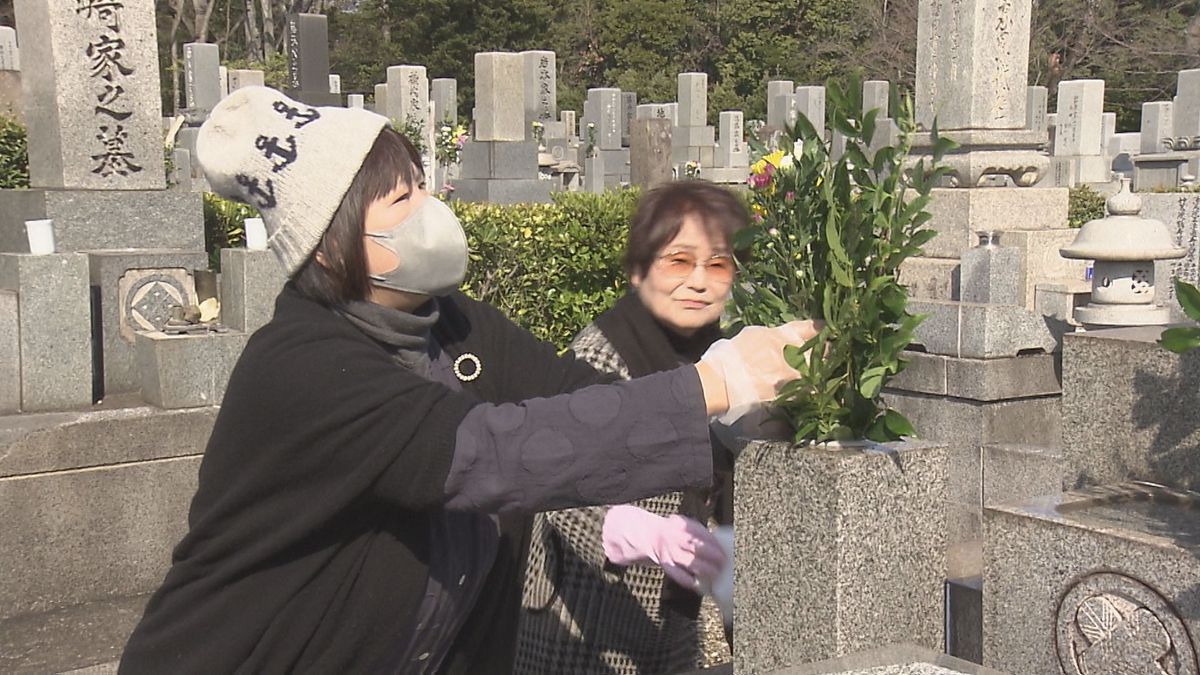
(91, 94)
(308, 52)
(499, 97)
(972, 64)
(1079, 120)
(443, 91)
(541, 87)
(10, 57)
(407, 93)
(693, 99)
(1187, 103)
(201, 77)
(1158, 125)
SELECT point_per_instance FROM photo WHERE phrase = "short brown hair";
(343, 276)
(661, 212)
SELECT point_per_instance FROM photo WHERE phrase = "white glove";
(752, 365)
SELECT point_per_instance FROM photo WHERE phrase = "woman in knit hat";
(363, 500)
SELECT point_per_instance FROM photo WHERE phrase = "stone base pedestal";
(502, 191)
(250, 283)
(50, 323)
(93, 502)
(187, 371)
(979, 330)
(1129, 409)
(1011, 153)
(95, 220)
(508, 160)
(959, 214)
(1158, 171)
(137, 289)
(1103, 581)
(837, 551)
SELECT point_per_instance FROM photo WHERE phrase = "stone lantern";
(1124, 246)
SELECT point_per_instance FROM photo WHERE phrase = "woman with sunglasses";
(617, 589)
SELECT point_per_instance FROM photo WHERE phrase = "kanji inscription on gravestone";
(92, 95)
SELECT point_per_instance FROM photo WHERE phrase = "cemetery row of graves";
(1040, 522)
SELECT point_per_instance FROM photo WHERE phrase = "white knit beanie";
(293, 162)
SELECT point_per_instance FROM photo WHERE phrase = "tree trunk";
(268, 38)
(203, 10)
(253, 39)
(177, 6)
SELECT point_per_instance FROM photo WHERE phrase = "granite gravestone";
(1036, 107)
(732, 151)
(246, 78)
(974, 63)
(307, 46)
(1187, 103)
(1079, 117)
(810, 102)
(335, 84)
(629, 102)
(541, 88)
(380, 102)
(91, 94)
(1158, 125)
(499, 97)
(443, 91)
(407, 94)
(354, 101)
(780, 103)
(10, 56)
(201, 77)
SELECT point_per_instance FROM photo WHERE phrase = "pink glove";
(687, 552)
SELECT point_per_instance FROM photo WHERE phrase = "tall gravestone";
(499, 165)
(1036, 107)
(629, 102)
(499, 97)
(202, 78)
(335, 84)
(1158, 124)
(308, 59)
(1079, 133)
(1187, 109)
(810, 102)
(602, 110)
(10, 56)
(443, 91)
(407, 93)
(97, 171)
(91, 94)
(972, 77)
(693, 140)
(10, 75)
(541, 92)
(732, 161)
(781, 104)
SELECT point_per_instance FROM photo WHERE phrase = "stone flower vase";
(839, 548)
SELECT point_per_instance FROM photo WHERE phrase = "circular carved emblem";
(147, 297)
(1113, 623)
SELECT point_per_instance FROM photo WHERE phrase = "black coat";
(308, 538)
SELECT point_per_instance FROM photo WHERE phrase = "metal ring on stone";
(473, 359)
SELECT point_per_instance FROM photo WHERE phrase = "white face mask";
(431, 248)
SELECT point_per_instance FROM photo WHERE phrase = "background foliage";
(552, 268)
(14, 155)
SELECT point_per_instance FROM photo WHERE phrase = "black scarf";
(645, 344)
(404, 334)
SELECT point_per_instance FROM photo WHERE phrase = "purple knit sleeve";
(603, 444)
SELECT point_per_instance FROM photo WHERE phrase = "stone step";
(93, 502)
(87, 638)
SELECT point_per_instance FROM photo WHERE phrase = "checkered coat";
(582, 616)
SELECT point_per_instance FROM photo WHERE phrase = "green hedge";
(550, 267)
(14, 155)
